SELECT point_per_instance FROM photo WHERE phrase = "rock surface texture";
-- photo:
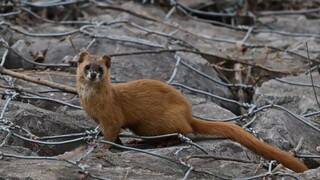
(257, 78)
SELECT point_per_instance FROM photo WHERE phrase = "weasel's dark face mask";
(93, 72)
(95, 67)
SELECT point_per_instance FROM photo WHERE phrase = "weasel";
(149, 107)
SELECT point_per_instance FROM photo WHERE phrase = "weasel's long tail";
(236, 133)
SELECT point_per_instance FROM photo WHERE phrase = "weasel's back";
(154, 103)
(148, 88)
(149, 91)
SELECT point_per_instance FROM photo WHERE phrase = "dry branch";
(38, 80)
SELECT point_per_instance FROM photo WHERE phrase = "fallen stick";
(38, 81)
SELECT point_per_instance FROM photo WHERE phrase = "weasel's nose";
(93, 75)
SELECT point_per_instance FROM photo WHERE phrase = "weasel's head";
(93, 68)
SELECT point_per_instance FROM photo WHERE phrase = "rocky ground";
(257, 68)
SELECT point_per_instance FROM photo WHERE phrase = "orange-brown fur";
(150, 107)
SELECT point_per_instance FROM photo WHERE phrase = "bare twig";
(38, 80)
(311, 77)
(72, 44)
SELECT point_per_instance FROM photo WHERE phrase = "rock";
(298, 99)
(190, 78)
(54, 76)
(41, 122)
(284, 131)
(17, 150)
(58, 50)
(285, 23)
(280, 128)
(13, 61)
(196, 4)
(311, 174)
(274, 126)
(35, 169)
(204, 108)
(131, 164)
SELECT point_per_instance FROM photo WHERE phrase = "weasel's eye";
(100, 69)
(87, 67)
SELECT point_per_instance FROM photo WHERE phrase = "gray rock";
(58, 50)
(313, 174)
(298, 99)
(55, 76)
(13, 61)
(190, 78)
(37, 169)
(17, 150)
(279, 128)
(204, 108)
(284, 23)
(284, 131)
(274, 126)
(41, 122)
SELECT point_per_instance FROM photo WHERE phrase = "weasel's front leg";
(110, 133)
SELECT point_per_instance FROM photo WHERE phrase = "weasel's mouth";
(92, 77)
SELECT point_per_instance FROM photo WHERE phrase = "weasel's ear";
(107, 60)
(82, 56)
